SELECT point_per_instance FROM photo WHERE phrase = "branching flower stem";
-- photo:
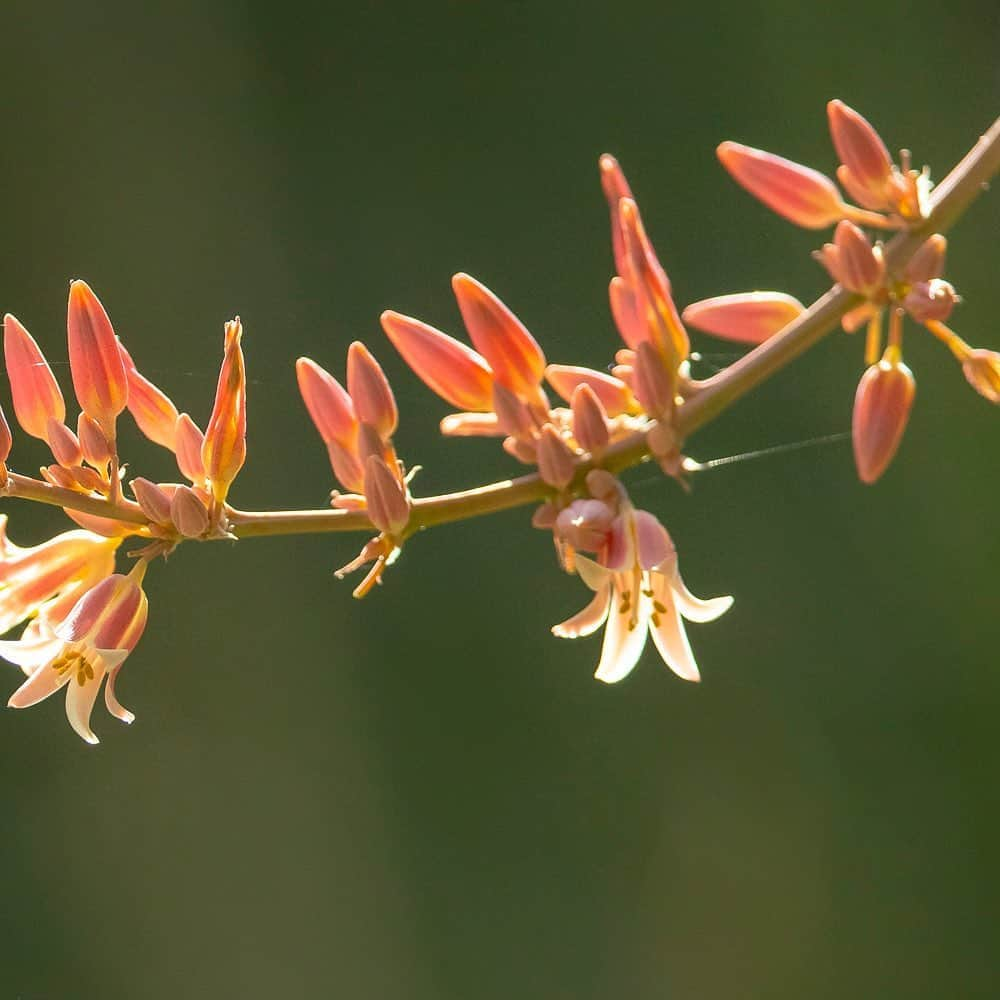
(706, 400)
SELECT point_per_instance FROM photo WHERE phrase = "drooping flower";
(89, 644)
(638, 592)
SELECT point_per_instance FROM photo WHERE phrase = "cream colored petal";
(593, 574)
(694, 609)
(587, 621)
(622, 645)
(29, 654)
(80, 700)
(44, 680)
(114, 706)
(670, 638)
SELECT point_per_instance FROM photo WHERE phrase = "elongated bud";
(982, 369)
(881, 410)
(555, 460)
(6, 443)
(930, 300)
(590, 420)
(613, 393)
(862, 152)
(649, 283)
(500, 337)
(625, 312)
(471, 425)
(797, 193)
(745, 317)
(388, 504)
(188, 513)
(347, 467)
(152, 409)
(33, 387)
(513, 417)
(928, 261)
(93, 443)
(654, 385)
(189, 441)
(224, 449)
(615, 188)
(455, 372)
(328, 403)
(95, 362)
(853, 261)
(370, 391)
(64, 444)
(154, 501)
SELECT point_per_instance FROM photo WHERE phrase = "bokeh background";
(425, 795)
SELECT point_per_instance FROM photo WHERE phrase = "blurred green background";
(425, 795)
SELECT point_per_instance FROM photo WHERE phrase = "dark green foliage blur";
(425, 795)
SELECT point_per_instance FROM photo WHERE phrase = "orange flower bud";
(455, 372)
(189, 441)
(867, 166)
(328, 403)
(881, 410)
(653, 383)
(153, 499)
(370, 391)
(799, 194)
(33, 387)
(387, 502)
(6, 443)
(853, 261)
(613, 393)
(500, 337)
(615, 188)
(928, 261)
(64, 444)
(92, 441)
(745, 317)
(95, 362)
(224, 449)
(982, 369)
(152, 409)
(930, 300)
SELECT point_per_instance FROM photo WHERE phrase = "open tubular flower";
(91, 643)
(638, 590)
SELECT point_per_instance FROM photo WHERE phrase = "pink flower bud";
(328, 403)
(881, 410)
(799, 194)
(471, 425)
(556, 463)
(653, 383)
(866, 161)
(370, 390)
(590, 421)
(33, 387)
(928, 261)
(64, 444)
(523, 450)
(93, 443)
(500, 337)
(152, 409)
(930, 300)
(188, 513)
(153, 499)
(614, 395)
(95, 362)
(455, 372)
(224, 449)
(745, 317)
(982, 369)
(852, 261)
(387, 502)
(585, 524)
(189, 441)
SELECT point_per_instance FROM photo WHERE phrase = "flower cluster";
(890, 197)
(576, 428)
(83, 618)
